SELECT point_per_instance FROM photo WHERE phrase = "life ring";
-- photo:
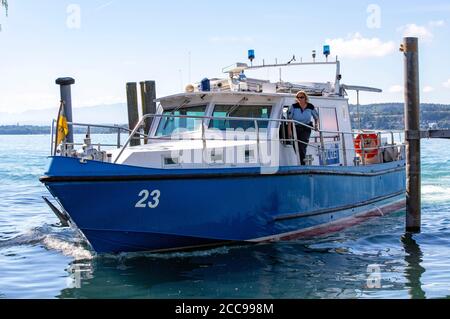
(371, 145)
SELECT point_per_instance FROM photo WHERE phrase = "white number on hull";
(156, 194)
(145, 194)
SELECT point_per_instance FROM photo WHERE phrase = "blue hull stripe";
(284, 171)
(63, 169)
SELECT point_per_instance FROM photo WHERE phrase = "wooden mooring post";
(133, 112)
(148, 96)
(413, 134)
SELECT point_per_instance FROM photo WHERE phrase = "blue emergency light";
(326, 50)
(251, 55)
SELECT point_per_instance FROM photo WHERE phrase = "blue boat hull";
(127, 209)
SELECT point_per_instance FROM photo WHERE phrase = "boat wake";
(69, 243)
(69, 249)
(65, 241)
(174, 255)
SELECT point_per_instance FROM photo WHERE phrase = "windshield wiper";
(236, 106)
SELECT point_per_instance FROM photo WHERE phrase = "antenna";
(189, 66)
(292, 60)
(181, 79)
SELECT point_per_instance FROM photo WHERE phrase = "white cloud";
(446, 84)
(420, 31)
(428, 89)
(356, 46)
(435, 24)
(414, 30)
(396, 89)
(105, 5)
(230, 39)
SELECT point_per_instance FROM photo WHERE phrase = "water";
(40, 260)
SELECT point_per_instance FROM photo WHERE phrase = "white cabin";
(241, 122)
(201, 137)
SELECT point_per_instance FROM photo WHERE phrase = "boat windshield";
(168, 125)
(250, 111)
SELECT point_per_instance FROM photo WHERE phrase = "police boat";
(219, 164)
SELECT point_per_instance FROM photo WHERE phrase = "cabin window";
(250, 111)
(168, 125)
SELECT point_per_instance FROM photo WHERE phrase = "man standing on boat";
(303, 112)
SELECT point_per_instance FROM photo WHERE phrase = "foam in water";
(65, 242)
(68, 249)
(436, 193)
(189, 254)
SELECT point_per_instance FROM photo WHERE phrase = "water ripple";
(38, 260)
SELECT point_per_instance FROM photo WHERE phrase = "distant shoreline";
(384, 116)
(25, 130)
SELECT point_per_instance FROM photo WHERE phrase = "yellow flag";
(62, 129)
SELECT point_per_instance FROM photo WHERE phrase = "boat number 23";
(148, 199)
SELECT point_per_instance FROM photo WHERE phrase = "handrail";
(295, 142)
(117, 128)
(203, 118)
(251, 119)
(52, 133)
(100, 126)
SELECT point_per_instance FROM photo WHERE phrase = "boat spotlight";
(189, 88)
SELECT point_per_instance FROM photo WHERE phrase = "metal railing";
(320, 147)
(296, 142)
(66, 145)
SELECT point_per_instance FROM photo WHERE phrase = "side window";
(329, 122)
(244, 111)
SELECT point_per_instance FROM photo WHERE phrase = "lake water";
(372, 260)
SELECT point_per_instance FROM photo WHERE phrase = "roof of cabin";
(192, 95)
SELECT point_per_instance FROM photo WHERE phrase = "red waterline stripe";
(341, 225)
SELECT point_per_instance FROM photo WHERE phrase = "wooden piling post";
(410, 48)
(148, 95)
(133, 113)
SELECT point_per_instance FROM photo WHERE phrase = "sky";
(105, 43)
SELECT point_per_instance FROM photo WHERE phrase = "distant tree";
(4, 4)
